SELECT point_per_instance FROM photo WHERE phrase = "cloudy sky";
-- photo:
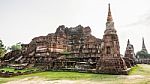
(21, 20)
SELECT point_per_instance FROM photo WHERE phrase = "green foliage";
(143, 54)
(8, 69)
(17, 46)
(2, 49)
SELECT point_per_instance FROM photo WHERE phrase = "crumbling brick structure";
(129, 56)
(75, 49)
(110, 60)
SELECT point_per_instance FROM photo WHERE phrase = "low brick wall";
(11, 74)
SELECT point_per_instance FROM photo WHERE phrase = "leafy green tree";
(143, 54)
(17, 46)
(2, 49)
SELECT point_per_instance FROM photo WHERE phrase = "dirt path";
(130, 77)
(37, 80)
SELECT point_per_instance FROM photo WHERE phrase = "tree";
(2, 49)
(17, 46)
(142, 54)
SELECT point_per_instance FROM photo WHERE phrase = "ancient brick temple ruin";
(143, 57)
(130, 51)
(73, 49)
(110, 60)
(68, 49)
(129, 56)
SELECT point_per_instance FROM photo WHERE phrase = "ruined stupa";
(110, 60)
(130, 51)
(129, 56)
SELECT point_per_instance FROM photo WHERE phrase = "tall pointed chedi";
(128, 42)
(110, 60)
(143, 46)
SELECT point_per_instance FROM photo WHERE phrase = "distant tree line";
(4, 49)
(142, 54)
(16, 46)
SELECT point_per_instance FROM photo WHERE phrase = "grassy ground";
(139, 74)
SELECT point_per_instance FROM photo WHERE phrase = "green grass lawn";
(142, 70)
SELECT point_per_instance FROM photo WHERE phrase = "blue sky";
(22, 20)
